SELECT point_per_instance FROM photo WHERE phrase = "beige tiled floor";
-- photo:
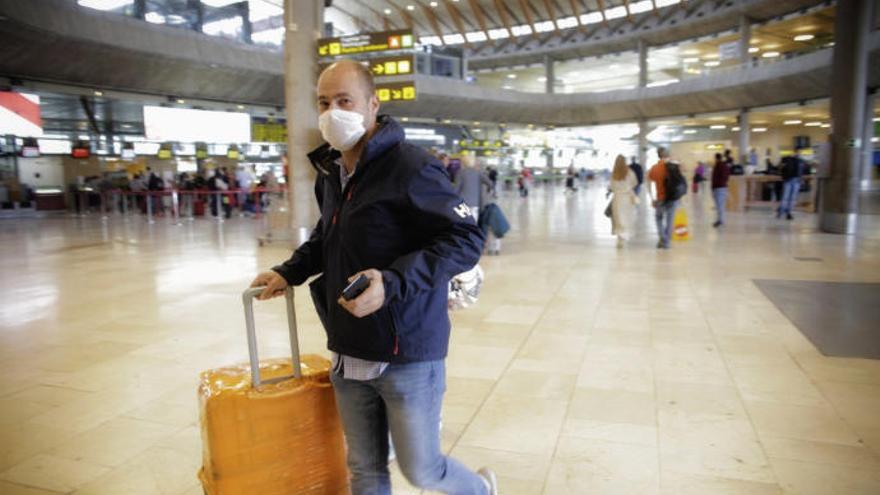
(583, 369)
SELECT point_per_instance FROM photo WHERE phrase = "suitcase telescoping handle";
(248, 298)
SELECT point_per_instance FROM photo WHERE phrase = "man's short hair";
(363, 72)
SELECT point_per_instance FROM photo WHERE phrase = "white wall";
(49, 167)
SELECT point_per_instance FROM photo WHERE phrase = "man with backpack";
(791, 184)
(670, 186)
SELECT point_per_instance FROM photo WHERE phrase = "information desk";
(745, 191)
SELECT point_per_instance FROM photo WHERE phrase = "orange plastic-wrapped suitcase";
(271, 427)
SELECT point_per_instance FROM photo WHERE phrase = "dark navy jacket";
(398, 214)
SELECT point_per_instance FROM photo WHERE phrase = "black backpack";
(676, 184)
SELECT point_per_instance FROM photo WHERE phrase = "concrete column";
(464, 66)
(643, 143)
(244, 11)
(743, 136)
(549, 73)
(140, 9)
(643, 64)
(868, 148)
(197, 11)
(303, 21)
(849, 82)
(745, 37)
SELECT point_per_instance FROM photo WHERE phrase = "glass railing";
(666, 76)
(255, 22)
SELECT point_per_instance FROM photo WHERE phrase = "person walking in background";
(636, 168)
(791, 185)
(493, 176)
(720, 176)
(570, 177)
(522, 183)
(665, 173)
(472, 185)
(699, 177)
(622, 188)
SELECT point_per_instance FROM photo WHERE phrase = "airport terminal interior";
(153, 162)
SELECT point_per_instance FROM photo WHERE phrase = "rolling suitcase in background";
(271, 427)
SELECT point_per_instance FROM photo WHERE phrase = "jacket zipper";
(348, 194)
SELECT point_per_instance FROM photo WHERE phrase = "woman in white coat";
(623, 201)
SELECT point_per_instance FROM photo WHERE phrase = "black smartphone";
(355, 288)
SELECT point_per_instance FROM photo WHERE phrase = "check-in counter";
(49, 198)
(746, 191)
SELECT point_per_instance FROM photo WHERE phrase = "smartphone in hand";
(355, 288)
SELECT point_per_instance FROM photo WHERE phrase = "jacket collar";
(388, 135)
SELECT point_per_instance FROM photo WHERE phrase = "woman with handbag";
(623, 182)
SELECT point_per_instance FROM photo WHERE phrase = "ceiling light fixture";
(410, 7)
(712, 63)
(770, 54)
(691, 60)
(793, 122)
(825, 126)
(511, 76)
(181, 101)
(433, 5)
(754, 49)
(759, 129)
(718, 127)
(804, 37)
(813, 124)
(387, 11)
(689, 131)
(735, 128)
(99, 93)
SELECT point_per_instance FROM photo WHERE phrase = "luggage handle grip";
(248, 297)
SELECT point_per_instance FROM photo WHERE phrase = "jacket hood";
(388, 135)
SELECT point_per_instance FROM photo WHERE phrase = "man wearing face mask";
(388, 212)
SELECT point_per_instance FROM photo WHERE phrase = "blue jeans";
(790, 190)
(406, 401)
(664, 214)
(720, 196)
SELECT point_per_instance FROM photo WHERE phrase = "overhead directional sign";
(401, 91)
(392, 66)
(366, 43)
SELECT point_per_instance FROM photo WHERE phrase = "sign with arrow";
(366, 43)
(400, 91)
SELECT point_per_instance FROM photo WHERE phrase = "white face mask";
(341, 128)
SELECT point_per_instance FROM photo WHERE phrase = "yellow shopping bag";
(680, 231)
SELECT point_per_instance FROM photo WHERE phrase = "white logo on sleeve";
(462, 210)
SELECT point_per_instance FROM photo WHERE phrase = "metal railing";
(174, 203)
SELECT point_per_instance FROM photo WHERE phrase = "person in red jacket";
(720, 176)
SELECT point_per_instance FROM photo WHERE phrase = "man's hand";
(370, 299)
(274, 285)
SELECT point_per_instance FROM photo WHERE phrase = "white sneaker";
(490, 479)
